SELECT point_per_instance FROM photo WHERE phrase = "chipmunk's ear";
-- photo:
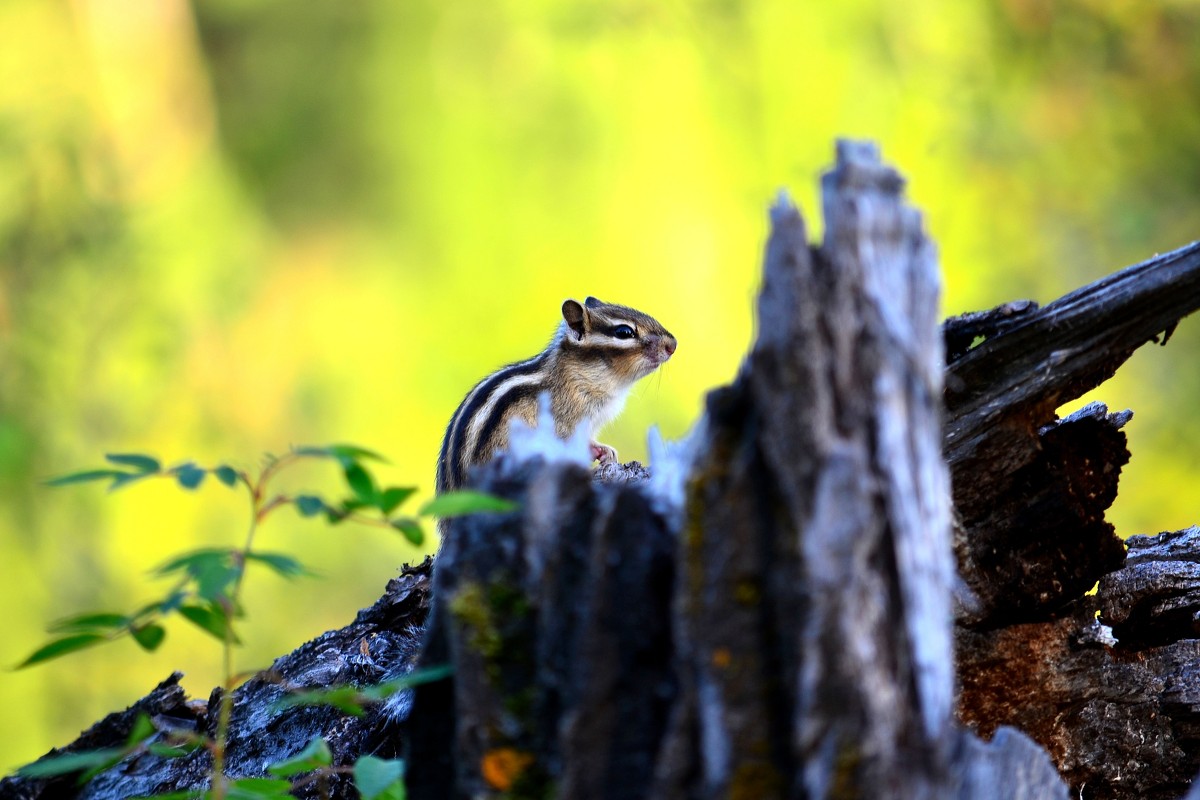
(575, 317)
(592, 302)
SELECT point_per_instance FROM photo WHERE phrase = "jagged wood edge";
(1053, 354)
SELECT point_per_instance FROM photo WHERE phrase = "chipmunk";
(598, 352)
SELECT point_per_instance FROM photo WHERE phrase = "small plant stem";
(259, 489)
(225, 712)
(275, 503)
(321, 777)
(223, 716)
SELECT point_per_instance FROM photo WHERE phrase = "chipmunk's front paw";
(603, 453)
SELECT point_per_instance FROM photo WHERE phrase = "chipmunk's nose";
(669, 344)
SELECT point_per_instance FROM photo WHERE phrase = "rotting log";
(1030, 490)
(773, 612)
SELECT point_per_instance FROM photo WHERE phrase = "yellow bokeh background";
(230, 227)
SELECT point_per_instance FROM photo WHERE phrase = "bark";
(863, 575)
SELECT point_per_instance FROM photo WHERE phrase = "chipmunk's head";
(626, 341)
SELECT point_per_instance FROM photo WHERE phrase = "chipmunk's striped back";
(471, 435)
(596, 355)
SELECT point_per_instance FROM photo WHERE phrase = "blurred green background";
(233, 226)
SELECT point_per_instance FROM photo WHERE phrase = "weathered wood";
(1030, 493)
(1011, 765)
(819, 532)
(1052, 354)
(166, 701)
(965, 331)
(1118, 722)
(1155, 597)
(1030, 500)
(556, 620)
(1036, 538)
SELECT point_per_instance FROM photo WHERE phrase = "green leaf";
(257, 788)
(164, 750)
(190, 562)
(141, 463)
(415, 678)
(282, 564)
(126, 478)
(66, 763)
(211, 619)
(309, 505)
(391, 498)
(352, 504)
(226, 475)
(361, 483)
(149, 636)
(351, 451)
(344, 453)
(184, 794)
(411, 529)
(314, 756)
(466, 501)
(189, 475)
(142, 729)
(378, 778)
(344, 698)
(60, 647)
(213, 583)
(88, 623)
(170, 603)
(213, 571)
(87, 475)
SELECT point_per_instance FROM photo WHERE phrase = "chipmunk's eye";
(623, 332)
